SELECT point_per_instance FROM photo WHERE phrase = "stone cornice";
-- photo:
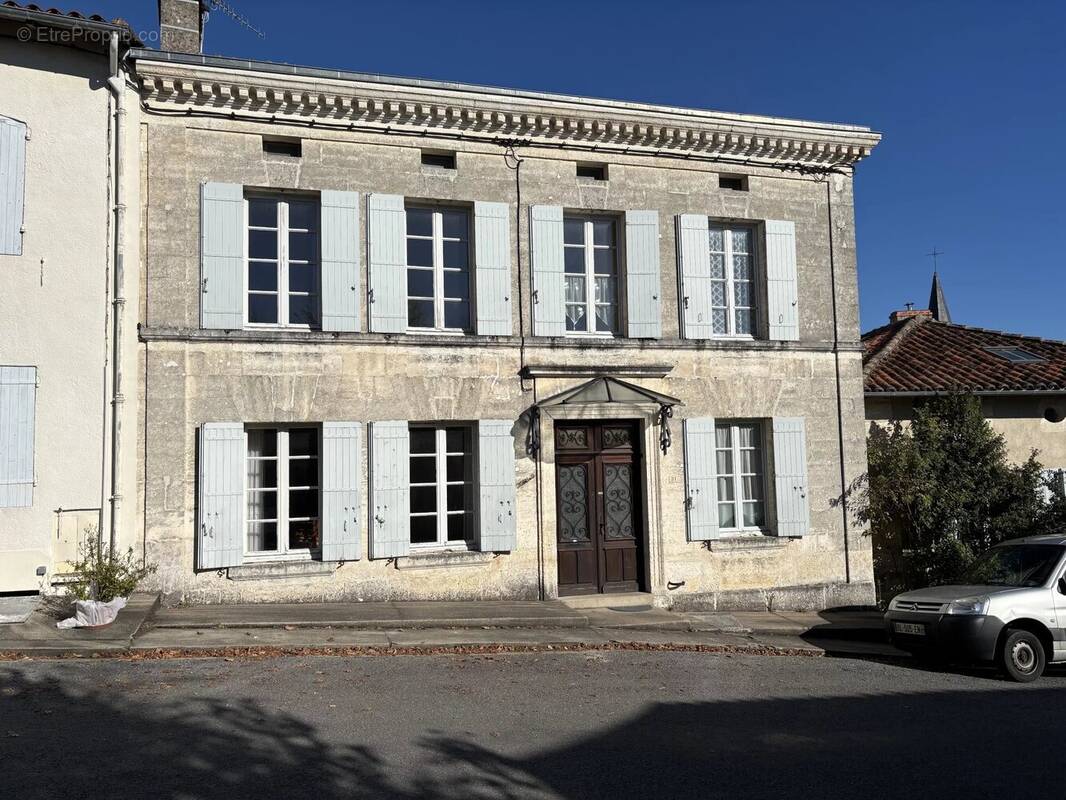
(266, 93)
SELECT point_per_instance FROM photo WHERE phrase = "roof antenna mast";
(234, 14)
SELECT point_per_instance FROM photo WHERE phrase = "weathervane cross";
(934, 254)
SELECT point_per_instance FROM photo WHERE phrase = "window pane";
(262, 244)
(303, 535)
(724, 462)
(458, 527)
(718, 321)
(718, 294)
(303, 442)
(457, 468)
(423, 440)
(419, 253)
(457, 315)
(303, 246)
(603, 261)
(603, 232)
(741, 267)
(606, 290)
(750, 462)
(753, 515)
(716, 239)
(419, 222)
(262, 442)
(303, 503)
(263, 308)
(742, 241)
(423, 469)
(574, 260)
(575, 288)
(303, 215)
(263, 213)
(607, 319)
(263, 505)
(456, 255)
(424, 529)
(303, 310)
(457, 498)
(725, 488)
(457, 440)
(262, 277)
(575, 318)
(419, 283)
(455, 225)
(420, 313)
(747, 436)
(752, 487)
(457, 285)
(745, 321)
(727, 515)
(423, 499)
(303, 472)
(574, 231)
(262, 473)
(723, 436)
(718, 266)
(262, 537)
(742, 293)
(303, 278)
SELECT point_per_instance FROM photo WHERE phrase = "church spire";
(938, 304)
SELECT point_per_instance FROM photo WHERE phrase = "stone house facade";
(403, 339)
(69, 149)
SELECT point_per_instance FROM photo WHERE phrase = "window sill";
(735, 542)
(434, 559)
(275, 570)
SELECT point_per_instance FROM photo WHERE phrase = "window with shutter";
(12, 184)
(18, 389)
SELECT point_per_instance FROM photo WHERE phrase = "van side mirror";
(1062, 585)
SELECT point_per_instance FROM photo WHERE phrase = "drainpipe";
(117, 85)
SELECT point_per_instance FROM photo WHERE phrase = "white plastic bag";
(92, 613)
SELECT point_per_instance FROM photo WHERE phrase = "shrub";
(101, 575)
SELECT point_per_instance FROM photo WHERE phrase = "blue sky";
(970, 97)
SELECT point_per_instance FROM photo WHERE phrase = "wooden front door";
(600, 529)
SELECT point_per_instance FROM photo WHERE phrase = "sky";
(970, 97)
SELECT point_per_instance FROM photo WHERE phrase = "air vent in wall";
(292, 148)
(438, 158)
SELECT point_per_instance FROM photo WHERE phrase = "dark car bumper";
(963, 638)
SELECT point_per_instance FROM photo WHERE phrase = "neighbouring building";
(407, 339)
(69, 149)
(1020, 380)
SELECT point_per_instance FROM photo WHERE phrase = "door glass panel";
(573, 503)
(618, 501)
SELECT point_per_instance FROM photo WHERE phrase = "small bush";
(101, 576)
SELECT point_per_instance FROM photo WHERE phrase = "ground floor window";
(442, 485)
(282, 491)
(741, 481)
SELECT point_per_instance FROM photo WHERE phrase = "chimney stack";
(899, 316)
(181, 25)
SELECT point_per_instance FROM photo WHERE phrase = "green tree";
(941, 490)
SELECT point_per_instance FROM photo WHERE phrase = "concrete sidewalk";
(144, 627)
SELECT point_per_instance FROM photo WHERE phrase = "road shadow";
(57, 741)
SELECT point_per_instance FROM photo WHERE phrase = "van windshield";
(1021, 565)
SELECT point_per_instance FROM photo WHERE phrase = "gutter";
(976, 393)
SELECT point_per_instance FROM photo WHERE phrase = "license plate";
(911, 628)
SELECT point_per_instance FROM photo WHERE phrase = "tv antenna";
(234, 14)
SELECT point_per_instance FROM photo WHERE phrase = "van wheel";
(1022, 656)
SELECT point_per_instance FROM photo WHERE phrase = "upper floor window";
(438, 269)
(283, 262)
(732, 280)
(591, 265)
(442, 485)
(739, 458)
(282, 491)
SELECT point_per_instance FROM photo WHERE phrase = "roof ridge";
(894, 342)
(994, 331)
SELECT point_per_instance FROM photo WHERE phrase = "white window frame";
(590, 248)
(740, 529)
(438, 269)
(284, 552)
(727, 229)
(441, 485)
(283, 230)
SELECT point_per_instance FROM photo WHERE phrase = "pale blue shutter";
(496, 481)
(222, 469)
(12, 185)
(492, 255)
(695, 254)
(340, 261)
(790, 476)
(549, 296)
(340, 491)
(781, 289)
(18, 389)
(701, 479)
(390, 502)
(387, 234)
(222, 256)
(643, 312)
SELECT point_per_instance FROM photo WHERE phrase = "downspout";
(117, 85)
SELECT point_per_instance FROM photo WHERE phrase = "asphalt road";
(547, 725)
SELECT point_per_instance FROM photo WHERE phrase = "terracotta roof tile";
(923, 355)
